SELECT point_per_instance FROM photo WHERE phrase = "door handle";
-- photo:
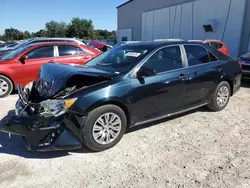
(218, 68)
(182, 77)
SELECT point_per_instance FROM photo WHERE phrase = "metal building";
(226, 20)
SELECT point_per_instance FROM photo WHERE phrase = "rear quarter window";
(221, 56)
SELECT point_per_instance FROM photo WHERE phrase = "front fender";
(118, 93)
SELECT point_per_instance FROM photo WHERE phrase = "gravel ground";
(198, 149)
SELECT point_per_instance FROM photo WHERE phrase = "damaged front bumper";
(43, 133)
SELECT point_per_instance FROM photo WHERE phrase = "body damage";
(68, 105)
(44, 118)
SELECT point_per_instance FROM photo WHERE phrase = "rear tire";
(104, 127)
(220, 97)
(6, 86)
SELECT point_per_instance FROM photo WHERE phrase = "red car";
(219, 45)
(103, 47)
(23, 65)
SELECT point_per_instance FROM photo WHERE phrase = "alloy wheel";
(3, 87)
(222, 96)
(107, 128)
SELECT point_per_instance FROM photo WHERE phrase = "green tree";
(40, 33)
(81, 28)
(26, 34)
(56, 29)
(12, 34)
(105, 34)
(113, 35)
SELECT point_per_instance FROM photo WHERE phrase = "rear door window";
(198, 55)
(213, 57)
(67, 50)
(81, 51)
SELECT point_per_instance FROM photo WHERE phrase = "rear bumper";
(245, 69)
(246, 74)
(237, 84)
(45, 134)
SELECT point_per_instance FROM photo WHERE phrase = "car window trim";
(42, 57)
(133, 72)
(205, 49)
(56, 52)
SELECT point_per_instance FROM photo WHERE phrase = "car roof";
(195, 40)
(52, 43)
(53, 38)
(155, 44)
(213, 40)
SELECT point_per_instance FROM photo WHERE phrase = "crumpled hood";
(53, 77)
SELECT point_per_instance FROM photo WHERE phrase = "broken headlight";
(55, 108)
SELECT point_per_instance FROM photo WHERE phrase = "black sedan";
(245, 59)
(132, 84)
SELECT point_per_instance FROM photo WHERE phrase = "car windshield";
(15, 53)
(120, 59)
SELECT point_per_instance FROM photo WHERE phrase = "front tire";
(221, 97)
(104, 127)
(6, 86)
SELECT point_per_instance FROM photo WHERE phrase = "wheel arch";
(230, 82)
(12, 81)
(118, 103)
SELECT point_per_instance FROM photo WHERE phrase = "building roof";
(124, 3)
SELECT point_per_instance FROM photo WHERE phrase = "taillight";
(240, 63)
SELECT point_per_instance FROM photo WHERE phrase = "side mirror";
(23, 59)
(145, 72)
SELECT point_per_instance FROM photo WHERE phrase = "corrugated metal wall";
(245, 39)
(130, 15)
(186, 21)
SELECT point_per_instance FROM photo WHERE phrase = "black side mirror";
(145, 72)
(23, 59)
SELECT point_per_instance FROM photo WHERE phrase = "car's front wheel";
(104, 127)
(6, 86)
(221, 97)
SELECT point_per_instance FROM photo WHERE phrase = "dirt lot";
(198, 149)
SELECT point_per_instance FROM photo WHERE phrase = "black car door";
(204, 73)
(163, 93)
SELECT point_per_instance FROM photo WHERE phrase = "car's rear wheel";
(6, 86)
(221, 97)
(104, 127)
